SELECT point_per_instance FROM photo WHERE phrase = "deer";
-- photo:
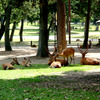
(26, 62)
(52, 58)
(86, 60)
(10, 66)
(55, 64)
(66, 53)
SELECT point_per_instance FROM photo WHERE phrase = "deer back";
(68, 52)
(63, 63)
(8, 66)
(89, 61)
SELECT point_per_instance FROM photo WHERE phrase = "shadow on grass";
(52, 87)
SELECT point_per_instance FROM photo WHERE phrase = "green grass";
(42, 83)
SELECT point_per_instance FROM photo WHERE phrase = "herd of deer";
(70, 53)
(55, 62)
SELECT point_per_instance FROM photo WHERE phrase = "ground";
(27, 51)
(89, 80)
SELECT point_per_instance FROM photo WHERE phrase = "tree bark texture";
(61, 31)
(43, 32)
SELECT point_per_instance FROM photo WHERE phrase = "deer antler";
(79, 49)
(86, 49)
(47, 51)
(50, 53)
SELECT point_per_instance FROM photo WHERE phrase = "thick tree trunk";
(43, 33)
(21, 30)
(61, 32)
(12, 32)
(7, 41)
(86, 33)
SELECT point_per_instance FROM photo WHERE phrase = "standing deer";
(10, 66)
(66, 53)
(87, 61)
(26, 62)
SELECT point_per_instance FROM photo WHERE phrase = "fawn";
(10, 66)
(26, 62)
(87, 61)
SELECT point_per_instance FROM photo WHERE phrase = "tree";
(12, 32)
(21, 30)
(61, 32)
(43, 31)
(7, 41)
(86, 33)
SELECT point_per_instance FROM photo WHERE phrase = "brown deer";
(87, 61)
(66, 53)
(55, 64)
(52, 58)
(26, 62)
(10, 66)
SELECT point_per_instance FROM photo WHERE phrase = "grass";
(42, 83)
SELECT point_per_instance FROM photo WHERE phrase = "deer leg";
(70, 60)
(74, 59)
(64, 62)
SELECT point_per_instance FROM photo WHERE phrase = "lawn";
(39, 82)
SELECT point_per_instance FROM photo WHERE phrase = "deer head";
(15, 61)
(26, 62)
(83, 53)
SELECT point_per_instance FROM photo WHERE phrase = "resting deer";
(26, 62)
(87, 61)
(53, 58)
(55, 64)
(10, 66)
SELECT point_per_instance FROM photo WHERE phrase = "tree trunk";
(61, 32)
(12, 32)
(21, 30)
(2, 30)
(43, 32)
(67, 24)
(7, 41)
(86, 33)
